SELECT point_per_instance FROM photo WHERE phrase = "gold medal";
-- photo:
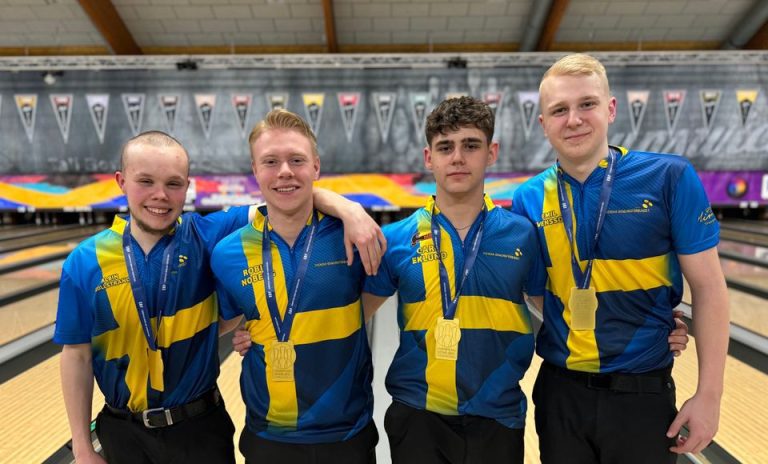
(583, 305)
(155, 362)
(282, 356)
(447, 336)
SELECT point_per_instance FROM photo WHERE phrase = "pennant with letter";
(134, 108)
(277, 101)
(494, 101)
(385, 108)
(98, 105)
(710, 102)
(673, 103)
(27, 106)
(313, 105)
(637, 103)
(529, 108)
(241, 103)
(169, 106)
(450, 95)
(746, 99)
(419, 102)
(62, 109)
(205, 103)
(348, 103)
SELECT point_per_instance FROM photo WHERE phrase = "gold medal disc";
(282, 357)
(583, 305)
(447, 336)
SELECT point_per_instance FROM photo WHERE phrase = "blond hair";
(578, 64)
(283, 119)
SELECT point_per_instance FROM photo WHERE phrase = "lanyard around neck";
(582, 279)
(283, 326)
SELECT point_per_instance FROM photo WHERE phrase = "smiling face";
(458, 160)
(576, 111)
(285, 166)
(154, 180)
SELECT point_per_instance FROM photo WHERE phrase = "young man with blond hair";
(619, 229)
(306, 379)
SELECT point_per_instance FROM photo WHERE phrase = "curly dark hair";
(455, 113)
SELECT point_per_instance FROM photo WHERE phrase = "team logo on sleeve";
(98, 105)
(420, 237)
(707, 216)
(746, 99)
(638, 102)
(673, 103)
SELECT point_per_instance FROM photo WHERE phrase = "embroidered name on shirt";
(331, 263)
(252, 274)
(427, 253)
(112, 280)
(549, 218)
(518, 254)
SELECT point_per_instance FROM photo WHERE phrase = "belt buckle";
(146, 413)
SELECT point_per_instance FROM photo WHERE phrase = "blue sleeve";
(215, 226)
(384, 283)
(694, 225)
(228, 307)
(74, 316)
(537, 277)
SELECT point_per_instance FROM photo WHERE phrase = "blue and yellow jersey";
(496, 343)
(657, 210)
(331, 398)
(96, 306)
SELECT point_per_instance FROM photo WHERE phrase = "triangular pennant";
(529, 104)
(313, 105)
(27, 106)
(205, 103)
(710, 102)
(241, 103)
(62, 109)
(385, 108)
(746, 99)
(169, 106)
(419, 103)
(277, 101)
(134, 108)
(1, 104)
(637, 102)
(348, 102)
(494, 101)
(98, 105)
(673, 103)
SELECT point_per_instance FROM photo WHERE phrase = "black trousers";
(422, 437)
(206, 439)
(583, 419)
(360, 449)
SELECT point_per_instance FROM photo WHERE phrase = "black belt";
(163, 417)
(646, 382)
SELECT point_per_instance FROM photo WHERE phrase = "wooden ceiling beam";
(552, 24)
(330, 27)
(111, 26)
(759, 41)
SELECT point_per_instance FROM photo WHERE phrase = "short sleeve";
(215, 226)
(537, 277)
(228, 307)
(384, 283)
(74, 316)
(694, 225)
